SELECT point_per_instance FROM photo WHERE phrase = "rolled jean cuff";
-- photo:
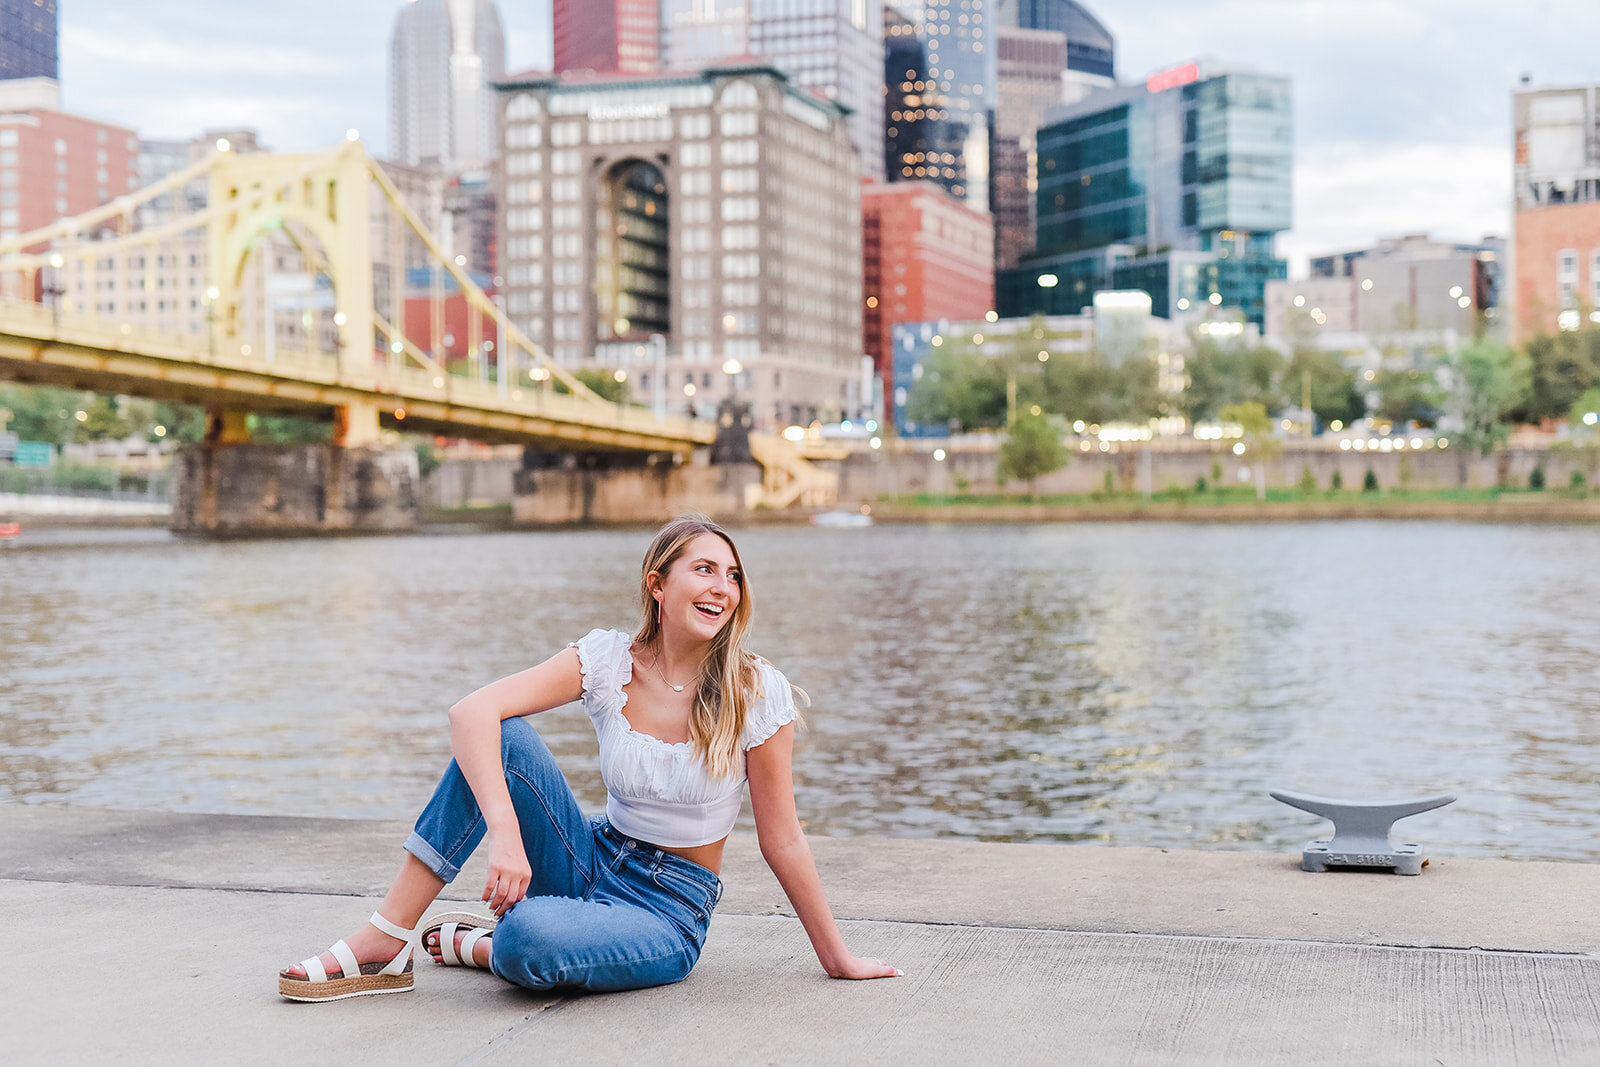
(419, 847)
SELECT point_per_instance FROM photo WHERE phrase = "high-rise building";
(28, 39)
(443, 56)
(968, 85)
(1556, 219)
(939, 85)
(1176, 186)
(1050, 52)
(701, 231)
(607, 36)
(833, 48)
(1091, 50)
(926, 256)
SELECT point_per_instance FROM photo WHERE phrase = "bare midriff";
(707, 856)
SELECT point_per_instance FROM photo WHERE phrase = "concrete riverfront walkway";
(144, 938)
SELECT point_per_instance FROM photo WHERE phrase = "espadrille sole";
(360, 985)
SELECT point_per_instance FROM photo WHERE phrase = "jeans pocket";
(685, 891)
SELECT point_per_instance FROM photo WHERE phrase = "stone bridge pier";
(230, 486)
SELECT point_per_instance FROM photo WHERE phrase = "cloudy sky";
(1402, 107)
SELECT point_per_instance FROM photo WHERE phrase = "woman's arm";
(475, 741)
(783, 846)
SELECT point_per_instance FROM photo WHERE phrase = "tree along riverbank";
(1234, 505)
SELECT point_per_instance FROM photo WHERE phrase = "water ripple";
(1137, 684)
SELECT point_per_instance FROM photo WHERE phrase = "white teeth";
(713, 608)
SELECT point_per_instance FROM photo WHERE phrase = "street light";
(54, 290)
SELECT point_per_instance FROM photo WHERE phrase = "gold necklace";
(655, 663)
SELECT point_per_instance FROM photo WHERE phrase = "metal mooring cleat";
(1361, 831)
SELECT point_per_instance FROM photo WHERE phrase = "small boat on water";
(8, 530)
(841, 518)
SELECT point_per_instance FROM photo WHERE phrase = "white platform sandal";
(451, 923)
(355, 979)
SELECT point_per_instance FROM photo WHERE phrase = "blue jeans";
(604, 912)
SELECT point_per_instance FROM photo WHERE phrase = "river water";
(1140, 684)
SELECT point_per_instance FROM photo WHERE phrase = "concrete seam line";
(480, 1054)
(1391, 946)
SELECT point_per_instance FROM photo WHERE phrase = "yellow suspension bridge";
(340, 212)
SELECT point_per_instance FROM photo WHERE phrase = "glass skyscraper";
(1090, 47)
(1177, 187)
(939, 78)
(28, 39)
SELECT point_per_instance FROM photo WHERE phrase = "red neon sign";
(1171, 79)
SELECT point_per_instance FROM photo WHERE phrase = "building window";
(739, 124)
(524, 106)
(740, 94)
(8, 138)
(741, 152)
(742, 180)
(1566, 277)
(1594, 279)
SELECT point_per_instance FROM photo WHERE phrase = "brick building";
(54, 164)
(925, 256)
(1556, 246)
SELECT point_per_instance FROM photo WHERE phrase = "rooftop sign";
(1173, 77)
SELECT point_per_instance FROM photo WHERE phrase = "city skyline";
(1402, 116)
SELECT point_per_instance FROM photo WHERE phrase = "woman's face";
(700, 589)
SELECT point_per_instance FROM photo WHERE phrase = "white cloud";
(299, 71)
(1349, 193)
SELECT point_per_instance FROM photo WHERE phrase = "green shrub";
(76, 477)
(1216, 471)
(1200, 484)
(1577, 483)
(1110, 484)
(1308, 481)
(1536, 480)
(1369, 484)
(1337, 482)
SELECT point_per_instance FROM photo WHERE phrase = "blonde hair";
(728, 676)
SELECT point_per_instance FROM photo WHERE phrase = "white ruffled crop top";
(658, 791)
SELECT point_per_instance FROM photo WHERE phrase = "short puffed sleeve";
(607, 667)
(771, 710)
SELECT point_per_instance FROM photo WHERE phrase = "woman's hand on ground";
(509, 874)
(858, 967)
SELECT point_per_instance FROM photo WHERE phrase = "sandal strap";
(314, 969)
(392, 930)
(348, 967)
(403, 957)
(468, 943)
(447, 944)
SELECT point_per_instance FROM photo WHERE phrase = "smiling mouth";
(710, 611)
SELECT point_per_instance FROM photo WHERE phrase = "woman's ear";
(652, 582)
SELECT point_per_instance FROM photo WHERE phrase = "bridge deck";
(37, 346)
